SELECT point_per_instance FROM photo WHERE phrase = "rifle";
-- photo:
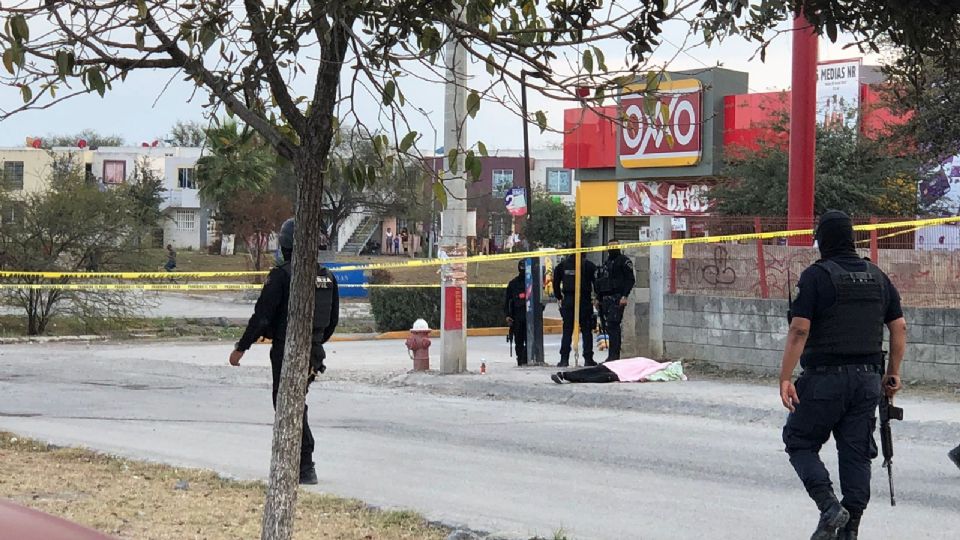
(888, 412)
(510, 338)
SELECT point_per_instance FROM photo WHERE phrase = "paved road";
(499, 465)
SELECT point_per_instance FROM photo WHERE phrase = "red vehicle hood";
(21, 523)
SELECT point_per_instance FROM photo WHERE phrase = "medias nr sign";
(662, 130)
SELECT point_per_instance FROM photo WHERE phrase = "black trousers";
(520, 338)
(306, 437)
(612, 313)
(842, 402)
(586, 334)
(595, 374)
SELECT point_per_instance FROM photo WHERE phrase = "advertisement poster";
(667, 134)
(939, 192)
(662, 199)
(516, 201)
(838, 93)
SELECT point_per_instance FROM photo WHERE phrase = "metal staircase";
(361, 235)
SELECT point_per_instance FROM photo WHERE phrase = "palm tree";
(238, 162)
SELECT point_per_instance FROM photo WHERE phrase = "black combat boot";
(308, 475)
(564, 363)
(833, 516)
(590, 362)
(851, 529)
(955, 456)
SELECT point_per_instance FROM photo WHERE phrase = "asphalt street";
(466, 456)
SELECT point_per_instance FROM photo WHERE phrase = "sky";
(148, 103)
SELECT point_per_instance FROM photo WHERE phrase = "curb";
(471, 332)
(49, 339)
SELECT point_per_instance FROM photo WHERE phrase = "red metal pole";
(874, 246)
(761, 260)
(803, 130)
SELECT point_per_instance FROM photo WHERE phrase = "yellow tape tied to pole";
(919, 223)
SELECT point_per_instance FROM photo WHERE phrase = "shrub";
(397, 309)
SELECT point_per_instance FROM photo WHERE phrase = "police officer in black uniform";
(613, 284)
(515, 309)
(836, 333)
(270, 320)
(564, 288)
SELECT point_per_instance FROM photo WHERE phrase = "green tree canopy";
(72, 227)
(238, 162)
(854, 173)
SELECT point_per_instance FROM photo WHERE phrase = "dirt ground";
(136, 500)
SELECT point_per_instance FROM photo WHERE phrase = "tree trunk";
(284, 472)
(310, 163)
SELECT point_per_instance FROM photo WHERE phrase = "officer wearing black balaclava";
(515, 310)
(841, 305)
(270, 320)
(613, 284)
(564, 289)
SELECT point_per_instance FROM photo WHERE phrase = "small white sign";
(679, 224)
(644, 234)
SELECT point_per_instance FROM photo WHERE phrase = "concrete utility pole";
(660, 229)
(453, 234)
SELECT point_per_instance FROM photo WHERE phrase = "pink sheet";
(635, 369)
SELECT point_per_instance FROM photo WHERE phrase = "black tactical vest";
(854, 324)
(323, 299)
(609, 280)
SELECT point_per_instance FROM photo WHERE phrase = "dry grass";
(131, 499)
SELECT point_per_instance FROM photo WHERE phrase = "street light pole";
(534, 281)
(434, 168)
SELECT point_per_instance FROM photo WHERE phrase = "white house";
(186, 220)
(547, 171)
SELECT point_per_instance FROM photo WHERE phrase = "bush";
(397, 309)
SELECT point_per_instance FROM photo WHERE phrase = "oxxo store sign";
(666, 149)
(663, 129)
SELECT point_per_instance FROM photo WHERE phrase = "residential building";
(185, 223)
(25, 170)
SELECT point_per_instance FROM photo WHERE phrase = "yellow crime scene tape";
(915, 224)
(207, 286)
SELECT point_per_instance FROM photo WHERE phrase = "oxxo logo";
(671, 135)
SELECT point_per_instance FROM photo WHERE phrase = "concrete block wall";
(749, 334)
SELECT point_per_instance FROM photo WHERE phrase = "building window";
(114, 172)
(559, 181)
(11, 214)
(186, 220)
(187, 178)
(502, 182)
(13, 175)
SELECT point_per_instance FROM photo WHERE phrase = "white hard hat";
(420, 325)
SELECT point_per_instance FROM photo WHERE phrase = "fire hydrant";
(418, 345)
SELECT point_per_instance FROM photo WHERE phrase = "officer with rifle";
(836, 334)
(564, 288)
(269, 320)
(613, 284)
(515, 309)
